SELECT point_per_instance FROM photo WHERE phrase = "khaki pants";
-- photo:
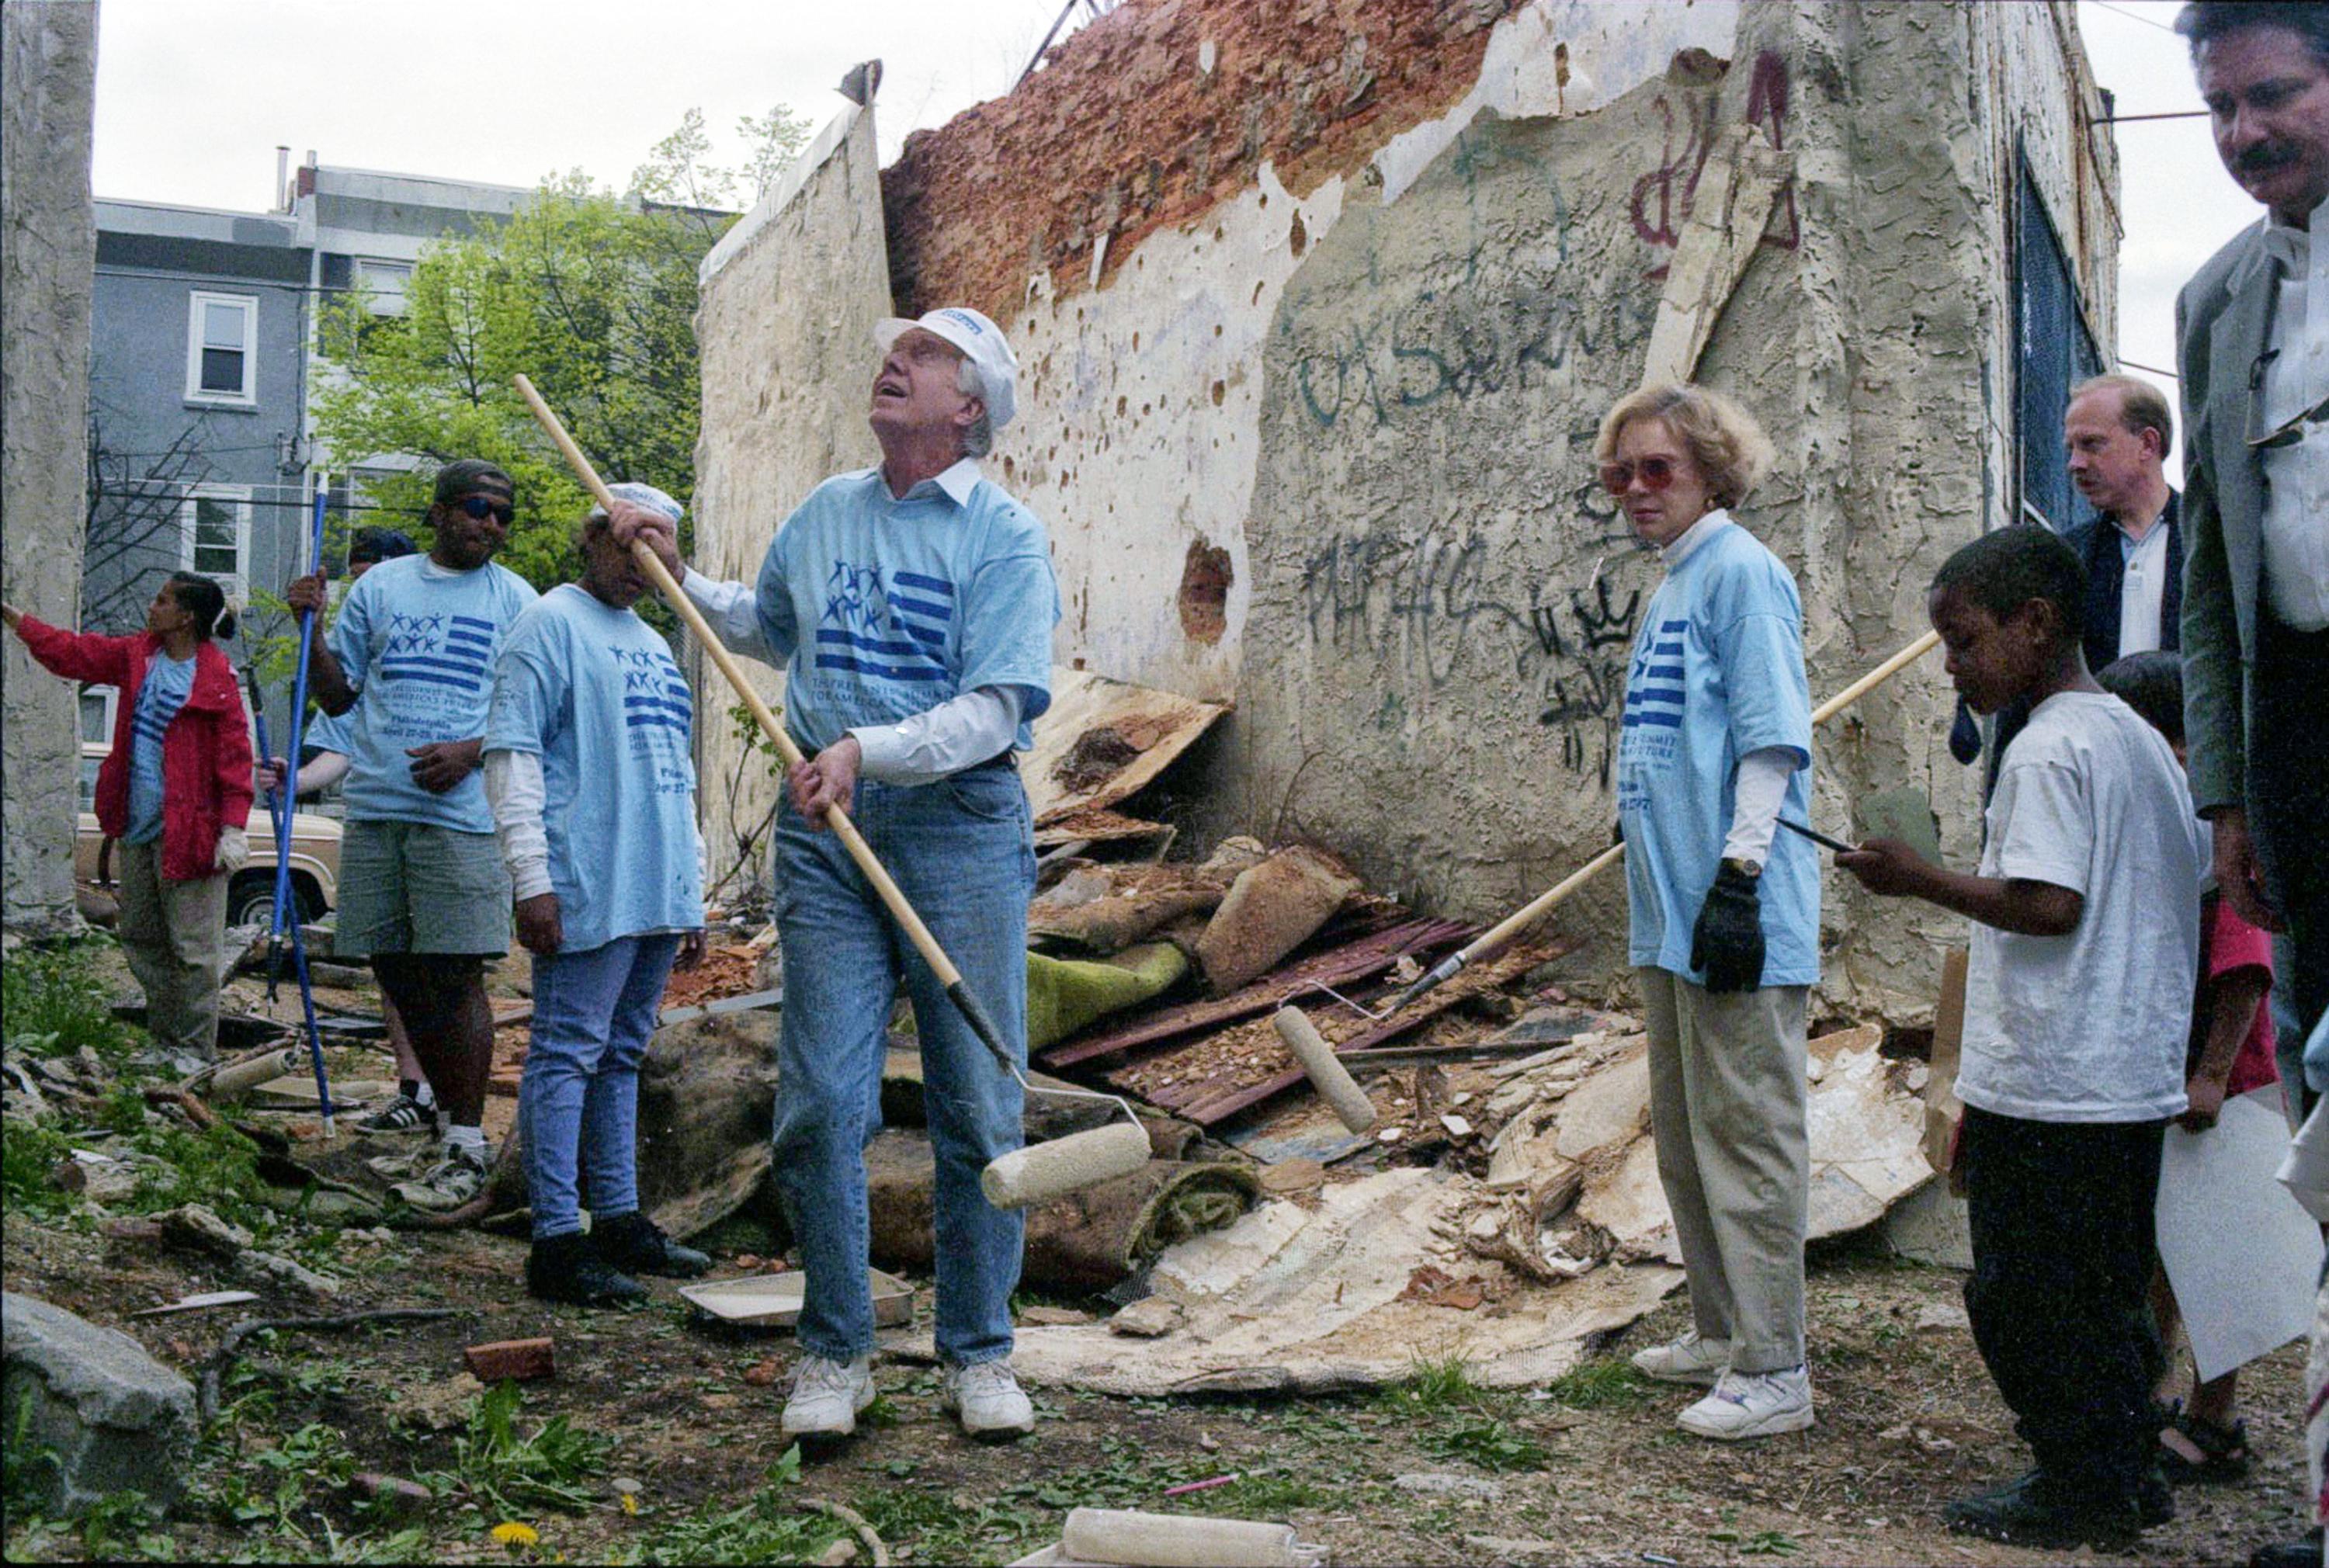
(173, 934)
(1726, 1108)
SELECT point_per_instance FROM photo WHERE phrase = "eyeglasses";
(1657, 473)
(483, 507)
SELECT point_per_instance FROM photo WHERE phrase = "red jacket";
(206, 763)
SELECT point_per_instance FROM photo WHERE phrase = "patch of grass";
(766, 1527)
(29, 1151)
(1607, 1383)
(1488, 1441)
(503, 1472)
(1261, 1495)
(217, 1167)
(1435, 1386)
(53, 1003)
(931, 1526)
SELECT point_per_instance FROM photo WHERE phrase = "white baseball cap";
(981, 342)
(645, 495)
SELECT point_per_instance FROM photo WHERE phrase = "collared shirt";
(2143, 586)
(2296, 383)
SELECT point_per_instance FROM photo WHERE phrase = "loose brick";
(519, 1361)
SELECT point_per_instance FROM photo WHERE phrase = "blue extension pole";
(283, 905)
(280, 819)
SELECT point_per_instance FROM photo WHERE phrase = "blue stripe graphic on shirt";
(936, 612)
(928, 585)
(1659, 720)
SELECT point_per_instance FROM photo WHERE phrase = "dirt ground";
(686, 1466)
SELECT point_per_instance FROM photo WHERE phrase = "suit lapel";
(2234, 346)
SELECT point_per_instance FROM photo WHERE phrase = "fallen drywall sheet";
(1512, 1275)
(1101, 741)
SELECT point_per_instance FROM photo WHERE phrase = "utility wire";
(2131, 15)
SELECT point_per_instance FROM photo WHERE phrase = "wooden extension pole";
(892, 898)
(1493, 940)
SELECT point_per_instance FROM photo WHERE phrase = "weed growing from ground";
(503, 1473)
(29, 1151)
(1607, 1384)
(53, 1003)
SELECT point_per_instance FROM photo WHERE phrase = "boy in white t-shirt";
(2078, 1006)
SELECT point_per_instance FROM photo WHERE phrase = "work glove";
(1726, 944)
(234, 849)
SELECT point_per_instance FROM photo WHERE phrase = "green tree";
(590, 295)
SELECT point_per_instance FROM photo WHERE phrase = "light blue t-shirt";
(417, 642)
(592, 690)
(1717, 672)
(327, 732)
(168, 684)
(884, 609)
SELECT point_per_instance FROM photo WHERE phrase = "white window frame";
(197, 301)
(371, 272)
(237, 586)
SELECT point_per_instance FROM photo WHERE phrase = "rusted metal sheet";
(1341, 966)
(1102, 740)
(1206, 1105)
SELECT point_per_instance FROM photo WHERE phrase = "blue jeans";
(577, 1105)
(962, 850)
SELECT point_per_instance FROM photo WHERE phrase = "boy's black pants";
(2063, 1245)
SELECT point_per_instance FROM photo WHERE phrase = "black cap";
(379, 544)
(459, 478)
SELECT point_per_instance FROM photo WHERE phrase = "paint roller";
(1317, 1057)
(1030, 1175)
(1125, 1536)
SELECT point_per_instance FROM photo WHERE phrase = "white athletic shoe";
(827, 1395)
(1689, 1359)
(1752, 1404)
(987, 1397)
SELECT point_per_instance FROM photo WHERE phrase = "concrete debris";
(1270, 910)
(439, 1406)
(1442, 1484)
(268, 1269)
(193, 1227)
(96, 1414)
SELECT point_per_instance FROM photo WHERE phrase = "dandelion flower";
(510, 1533)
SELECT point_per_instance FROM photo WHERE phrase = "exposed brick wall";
(1122, 132)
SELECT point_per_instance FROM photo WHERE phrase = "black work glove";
(1726, 944)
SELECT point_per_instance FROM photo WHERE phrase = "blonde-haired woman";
(1724, 912)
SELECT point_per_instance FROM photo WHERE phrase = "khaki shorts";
(418, 888)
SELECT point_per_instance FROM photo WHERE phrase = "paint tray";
(1905, 814)
(774, 1300)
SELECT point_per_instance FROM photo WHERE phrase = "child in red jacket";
(176, 792)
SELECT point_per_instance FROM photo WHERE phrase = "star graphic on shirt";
(853, 596)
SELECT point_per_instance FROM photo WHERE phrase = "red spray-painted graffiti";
(1661, 198)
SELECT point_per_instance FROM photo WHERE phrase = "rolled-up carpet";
(1084, 1241)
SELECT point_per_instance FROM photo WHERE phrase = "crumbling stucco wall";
(47, 253)
(790, 297)
(1308, 409)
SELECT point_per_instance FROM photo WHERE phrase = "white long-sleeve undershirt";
(957, 734)
(513, 790)
(1756, 798)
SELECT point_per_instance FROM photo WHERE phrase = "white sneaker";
(987, 1397)
(827, 1395)
(1689, 1359)
(457, 1176)
(1752, 1404)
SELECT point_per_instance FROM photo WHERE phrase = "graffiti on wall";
(1431, 611)
(1661, 200)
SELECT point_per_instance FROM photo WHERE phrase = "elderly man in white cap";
(912, 605)
(591, 780)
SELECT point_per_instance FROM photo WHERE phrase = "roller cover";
(1044, 1171)
(1332, 1078)
(1177, 1541)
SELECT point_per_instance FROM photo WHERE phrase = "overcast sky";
(193, 96)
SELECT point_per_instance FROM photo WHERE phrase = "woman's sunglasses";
(1657, 473)
(483, 507)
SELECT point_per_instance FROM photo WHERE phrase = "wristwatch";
(1746, 869)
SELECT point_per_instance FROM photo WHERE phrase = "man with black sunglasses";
(423, 892)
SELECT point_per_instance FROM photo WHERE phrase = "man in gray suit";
(2252, 332)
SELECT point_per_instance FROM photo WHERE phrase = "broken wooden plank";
(1101, 741)
(1340, 966)
(1508, 966)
